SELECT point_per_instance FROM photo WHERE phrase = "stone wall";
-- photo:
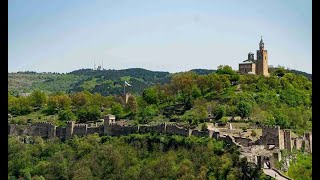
(173, 129)
(80, 129)
(309, 138)
(61, 132)
(271, 135)
(161, 128)
(287, 140)
(92, 130)
(243, 141)
(200, 133)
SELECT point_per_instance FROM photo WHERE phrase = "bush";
(204, 127)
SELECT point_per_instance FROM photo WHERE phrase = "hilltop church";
(258, 66)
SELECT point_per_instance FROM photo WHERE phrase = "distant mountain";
(106, 82)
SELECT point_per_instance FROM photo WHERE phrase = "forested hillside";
(105, 82)
(283, 99)
(188, 98)
(131, 157)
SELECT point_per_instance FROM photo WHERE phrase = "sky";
(167, 35)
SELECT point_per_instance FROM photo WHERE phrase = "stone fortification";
(272, 136)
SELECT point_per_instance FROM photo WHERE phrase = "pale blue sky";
(166, 35)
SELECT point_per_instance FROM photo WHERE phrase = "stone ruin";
(266, 149)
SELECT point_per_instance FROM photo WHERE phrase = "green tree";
(66, 115)
(79, 99)
(38, 98)
(225, 70)
(150, 95)
(117, 110)
(220, 111)
(244, 109)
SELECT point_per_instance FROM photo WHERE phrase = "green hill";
(105, 82)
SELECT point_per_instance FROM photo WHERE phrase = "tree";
(244, 109)
(147, 113)
(57, 103)
(38, 98)
(225, 70)
(117, 110)
(204, 127)
(220, 111)
(79, 99)
(66, 115)
(150, 95)
(132, 105)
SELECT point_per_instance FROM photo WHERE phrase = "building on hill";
(258, 66)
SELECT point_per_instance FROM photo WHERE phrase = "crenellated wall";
(80, 129)
(42, 129)
(61, 132)
(161, 128)
(282, 139)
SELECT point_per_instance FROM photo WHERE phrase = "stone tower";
(262, 60)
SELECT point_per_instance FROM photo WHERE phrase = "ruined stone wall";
(80, 129)
(200, 133)
(271, 135)
(161, 128)
(61, 132)
(18, 130)
(216, 135)
(117, 130)
(43, 129)
(92, 130)
(243, 141)
(287, 140)
(309, 138)
(173, 129)
(297, 142)
(69, 129)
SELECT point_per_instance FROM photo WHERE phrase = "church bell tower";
(262, 60)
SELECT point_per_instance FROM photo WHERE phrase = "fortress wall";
(18, 130)
(243, 141)
(175, 130)
(43, 129)
(92, 130)
(61, 132)
(271, 135)
(118, 130)
(161, 128)
(287, 140)
(200, 133)
(308, 136)
(80, 129)
(216, 135)
(69, 129)
(297, 143)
